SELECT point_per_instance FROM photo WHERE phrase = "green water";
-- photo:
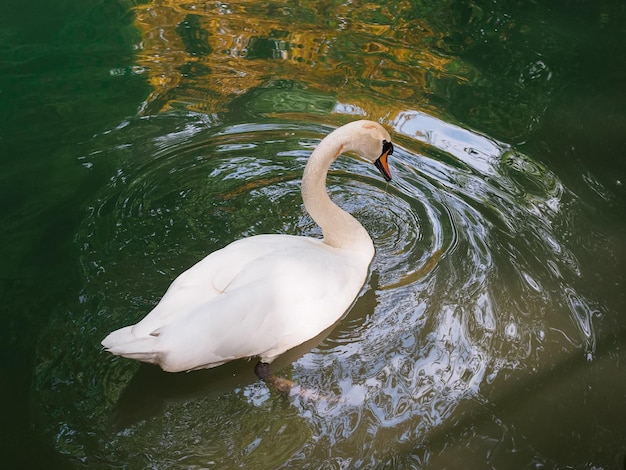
(136, 138)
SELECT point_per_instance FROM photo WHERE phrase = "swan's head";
(372, 143)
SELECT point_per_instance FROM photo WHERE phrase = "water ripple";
(472, 279)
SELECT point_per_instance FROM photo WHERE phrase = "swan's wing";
(275, 304)
(206, 280)
(284, 291)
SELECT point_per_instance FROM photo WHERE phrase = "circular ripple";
(472, 277)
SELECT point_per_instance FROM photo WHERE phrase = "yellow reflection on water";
(374, 57)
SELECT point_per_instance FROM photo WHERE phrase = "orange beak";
(381, 162)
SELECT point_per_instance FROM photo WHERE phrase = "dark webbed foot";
(262, 370)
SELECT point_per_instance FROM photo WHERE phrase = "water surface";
(489, 332)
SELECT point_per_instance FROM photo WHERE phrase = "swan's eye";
(387, 148)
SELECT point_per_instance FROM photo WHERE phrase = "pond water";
(138, 137)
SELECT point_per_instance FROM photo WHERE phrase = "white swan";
(263, 295)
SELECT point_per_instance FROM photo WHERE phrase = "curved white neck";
(340, 229)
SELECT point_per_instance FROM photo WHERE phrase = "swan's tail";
(124, 343)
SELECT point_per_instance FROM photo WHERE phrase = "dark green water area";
(137, 137)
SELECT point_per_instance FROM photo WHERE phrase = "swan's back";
(259, 296)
